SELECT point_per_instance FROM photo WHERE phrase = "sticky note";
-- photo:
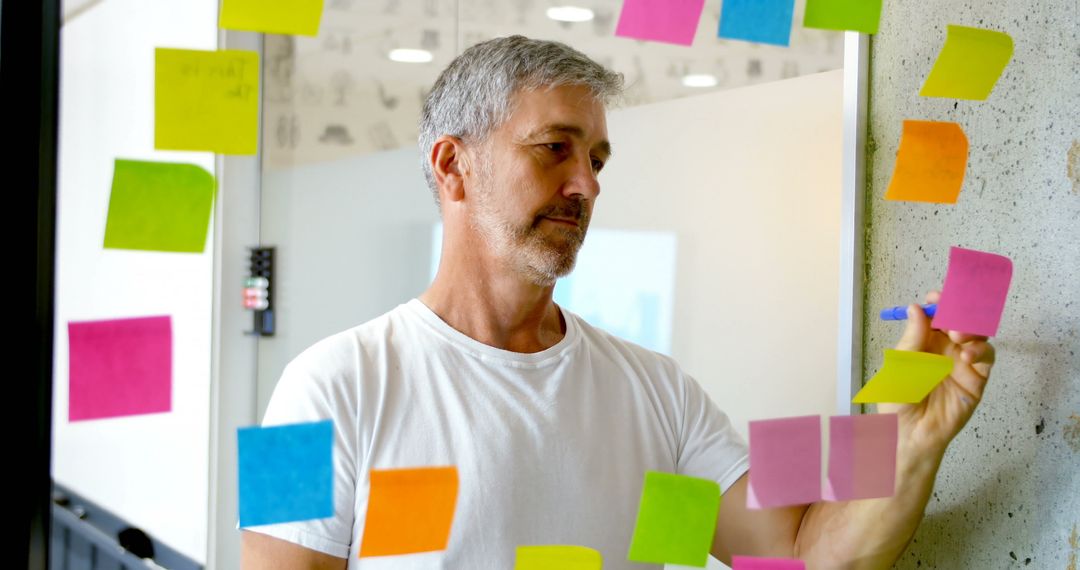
(754, 563)
(119, 367)
(294, 17)
(557, 557)
(974, 293)
(286, 473)
(669, 21)
(930, 164)
(785, 462)
(851, 15)
(862, 457)
(159, 206)
(409, 510)
(761, 21)
(970, 63)
(905, 378)
(676, 520)
(206, 100)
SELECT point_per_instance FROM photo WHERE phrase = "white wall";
(749, 180)
(151, 470)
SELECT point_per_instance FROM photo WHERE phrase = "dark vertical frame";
(29, 85)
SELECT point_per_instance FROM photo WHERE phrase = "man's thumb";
(917, 330)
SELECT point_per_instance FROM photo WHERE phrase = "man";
(551, 422)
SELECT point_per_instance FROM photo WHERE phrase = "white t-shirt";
(551, 447)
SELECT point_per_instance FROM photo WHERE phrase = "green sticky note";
(159, 206)
(853, 15)
(905, 378)
(295, 17)
(206, 100)
(676, 520)
(557, 557)
(970, 63)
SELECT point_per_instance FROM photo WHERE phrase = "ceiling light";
(699, 80)
(411, 55)
(569, 14)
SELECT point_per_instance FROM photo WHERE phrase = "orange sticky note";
(931, 163)
(409, 510)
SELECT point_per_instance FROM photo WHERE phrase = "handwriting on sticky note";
(409, 510)
(294, 17)
(557, 557)
(119, 367)
(670, 21)
(851, 15)
(761, 21)
(785, 462)
(206, 100)
(755, 563)
(970, 63)
(159, 206)
(862, 457)
(905, 377)
(974, 293)
(676, 520)
(286, 473)
(930, 163)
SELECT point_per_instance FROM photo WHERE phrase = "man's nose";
(583, 179)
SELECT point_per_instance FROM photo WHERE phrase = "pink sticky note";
(754, 563)
(119, 367)
(973, 296)
(862, 457)
(785, 462)
(670, 21)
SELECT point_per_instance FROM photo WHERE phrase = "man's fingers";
(962, 337)
(933, 297)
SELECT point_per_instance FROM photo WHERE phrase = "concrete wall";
(1008, 494)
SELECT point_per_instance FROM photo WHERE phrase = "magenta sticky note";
(973, 296)
(785, 462)
(862, 457)
(670, 21)
(755, 563)
(119, 367)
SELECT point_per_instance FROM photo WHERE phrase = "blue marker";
(900, 313)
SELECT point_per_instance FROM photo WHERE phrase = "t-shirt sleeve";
(310, 389)
(709, 446)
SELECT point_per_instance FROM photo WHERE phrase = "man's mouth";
(566, 221)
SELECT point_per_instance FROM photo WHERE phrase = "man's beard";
(541, 254)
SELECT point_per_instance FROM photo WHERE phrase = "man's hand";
(929, 426)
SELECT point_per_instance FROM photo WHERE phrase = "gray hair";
(472, 95)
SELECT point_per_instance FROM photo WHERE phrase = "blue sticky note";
(286, 473)
(761, 21)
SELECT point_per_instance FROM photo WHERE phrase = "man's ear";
(450, 164)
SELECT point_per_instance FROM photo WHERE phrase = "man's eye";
(597, 165)
(555, 147)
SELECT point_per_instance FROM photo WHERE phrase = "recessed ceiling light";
(569, 14)
(699, 80)
(411, 55)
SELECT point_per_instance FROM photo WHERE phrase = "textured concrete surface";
(1008, 494)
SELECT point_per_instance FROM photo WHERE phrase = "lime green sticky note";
(206, 100)
(557, 557)
(905, 378)
(295, 17)
(676, 520)
(854, 15)
(159, 206)
(969, 64)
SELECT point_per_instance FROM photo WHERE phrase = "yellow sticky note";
(296, 17)
(905, 378)
(206, 100)
(557, 557)
(969, 65)
(930, 164)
